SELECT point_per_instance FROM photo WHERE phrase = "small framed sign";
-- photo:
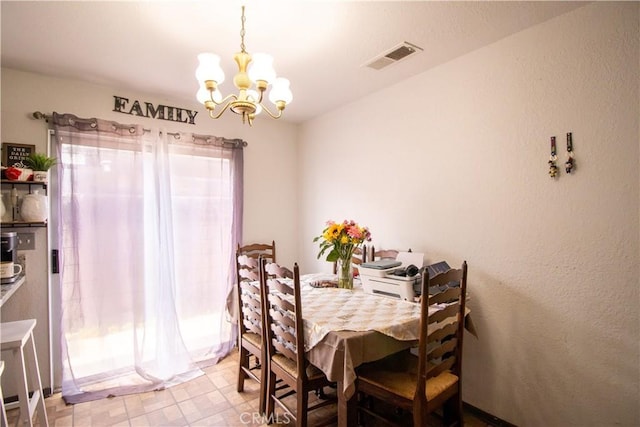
(14, 154)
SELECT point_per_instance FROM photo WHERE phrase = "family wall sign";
(160, 112)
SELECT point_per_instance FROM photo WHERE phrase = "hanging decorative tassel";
(570, 163)
(553, 169)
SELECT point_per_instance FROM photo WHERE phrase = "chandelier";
(248, 101)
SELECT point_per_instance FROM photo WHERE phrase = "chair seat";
(254, 339)
(402, 380)
(288, 365)
(15, 334)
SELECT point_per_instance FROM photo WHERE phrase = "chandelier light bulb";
(280, 91)
(261, 68)
(202, 95)
(209, 68)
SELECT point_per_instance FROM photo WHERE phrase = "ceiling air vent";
(394, 55)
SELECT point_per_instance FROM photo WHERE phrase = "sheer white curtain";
(148, 226)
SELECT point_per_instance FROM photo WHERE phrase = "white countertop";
(7, 290)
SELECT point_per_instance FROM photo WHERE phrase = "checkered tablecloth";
(332, 309)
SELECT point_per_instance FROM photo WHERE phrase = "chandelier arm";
(221, 111)
(227, 99)
(273, 116)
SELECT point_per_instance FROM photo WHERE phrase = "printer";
(383, 276)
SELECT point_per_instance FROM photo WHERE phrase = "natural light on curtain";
(148, 225)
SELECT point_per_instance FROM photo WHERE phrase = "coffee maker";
(9, 252)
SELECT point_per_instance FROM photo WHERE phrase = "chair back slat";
(252, 327)
(283, 334)
(450, 310)
(452, 276)
(448, 295)
(253, 315)
(282, 287)
(384, 253)
(442, 349)
(282, 320)
(246, 274)
(274, 270)
(248, 261)
(279, 300)
(442, 333)
(255, 250)
(437, 368)
(249, 287)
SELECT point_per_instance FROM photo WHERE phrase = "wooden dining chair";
(285, 348)
(432, 379)
(252, 353)
(359, 257)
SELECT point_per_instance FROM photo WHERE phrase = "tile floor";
(209, 400)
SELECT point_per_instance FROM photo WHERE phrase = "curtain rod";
(238, 142)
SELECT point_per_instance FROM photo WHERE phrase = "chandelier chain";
(242, 32)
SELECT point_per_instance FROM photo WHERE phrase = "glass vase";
(345, 274)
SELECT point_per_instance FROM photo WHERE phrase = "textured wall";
(453, 163)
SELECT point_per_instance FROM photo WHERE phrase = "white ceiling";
(151, 46)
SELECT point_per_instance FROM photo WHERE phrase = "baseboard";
(46, 392)
(491, 420)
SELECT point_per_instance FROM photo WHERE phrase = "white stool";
(13, 338)
(3, 413)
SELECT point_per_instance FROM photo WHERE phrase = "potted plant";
(40, 163)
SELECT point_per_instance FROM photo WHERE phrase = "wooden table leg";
(347, 408)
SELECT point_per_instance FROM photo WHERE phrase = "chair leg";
(23, 393)
(262, 402)
(452, 411)
(271, 390)
(37, 385)
(301, 408)
(243, 362)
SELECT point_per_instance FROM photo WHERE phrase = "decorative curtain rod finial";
(39, 116)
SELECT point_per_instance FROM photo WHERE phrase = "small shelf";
(21, 183)
(18, 224)
(23, 187)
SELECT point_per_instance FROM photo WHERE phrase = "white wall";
(269, 163)
(453, 163)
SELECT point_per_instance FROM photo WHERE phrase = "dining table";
(344, 328)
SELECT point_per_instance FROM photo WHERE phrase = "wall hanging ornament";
(553, 169)
(570, 164)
